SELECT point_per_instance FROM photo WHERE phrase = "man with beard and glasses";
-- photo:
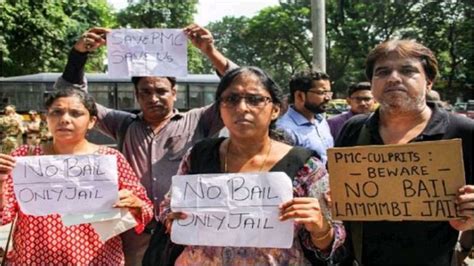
(154, 141)
(402, 72)
(304, 122)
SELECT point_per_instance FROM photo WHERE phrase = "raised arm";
(109, 120)
(202, 39)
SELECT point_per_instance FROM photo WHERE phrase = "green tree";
(230, 39)
(37, 35)
(354, 27)
(278, 39)
(446, 27)
(157, 14)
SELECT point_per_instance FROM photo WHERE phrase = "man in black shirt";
(402, 72)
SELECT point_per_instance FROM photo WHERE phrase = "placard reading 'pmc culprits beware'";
(416, 181)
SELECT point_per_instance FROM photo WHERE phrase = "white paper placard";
(147, 52)
(65, 184)
(239, 210)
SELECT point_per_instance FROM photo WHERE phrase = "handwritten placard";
(147, 52)
(65, 184)
(238, 210)
(415, 181)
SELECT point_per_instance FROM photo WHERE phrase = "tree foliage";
(157, 14)
(37, 35)
(278, 39)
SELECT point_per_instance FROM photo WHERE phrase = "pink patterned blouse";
(45, 240)
(310, 181)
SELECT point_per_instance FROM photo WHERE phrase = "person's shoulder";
(285, 120)
(461, 121)
(208, 143)
(303, 153)
(105, 150)
(22, 150)
(335, 118)
(357, 120)
(350, 130)
(192, 113)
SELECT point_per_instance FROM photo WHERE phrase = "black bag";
(161, 251)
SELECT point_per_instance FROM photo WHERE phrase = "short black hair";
(86, 99)
(360, 86)
(135, 81)
(303, 80)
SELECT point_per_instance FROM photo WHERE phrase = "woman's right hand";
(91, 40)
(171, 217)
(7, 163)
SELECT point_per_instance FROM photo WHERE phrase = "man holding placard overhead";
(154, 140)
(402, 72)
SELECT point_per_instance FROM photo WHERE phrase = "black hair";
(360, 86)
(303, 81)
(87, 100)
(135, 81)
(267, 82)
(271, 86)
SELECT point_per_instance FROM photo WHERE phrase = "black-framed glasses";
(251, 100)
(322, 93)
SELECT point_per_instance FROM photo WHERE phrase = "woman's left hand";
(465, 208)
(129, 200)
(308, 212)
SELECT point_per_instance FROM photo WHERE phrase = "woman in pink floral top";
(39, 240)
(249, 102)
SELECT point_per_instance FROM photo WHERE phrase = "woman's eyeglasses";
(251, 100)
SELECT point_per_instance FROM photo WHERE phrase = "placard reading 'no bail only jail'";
(415, 181)
(234, 210)
(66, 184)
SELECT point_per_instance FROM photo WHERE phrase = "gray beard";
(402, 104)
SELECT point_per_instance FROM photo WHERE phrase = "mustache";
(395, 88)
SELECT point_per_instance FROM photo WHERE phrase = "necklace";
(264, 160)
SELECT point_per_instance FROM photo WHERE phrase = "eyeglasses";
(322, 93)
(362, 99)
(251, 100)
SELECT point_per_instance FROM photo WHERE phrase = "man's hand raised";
(91, 40)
